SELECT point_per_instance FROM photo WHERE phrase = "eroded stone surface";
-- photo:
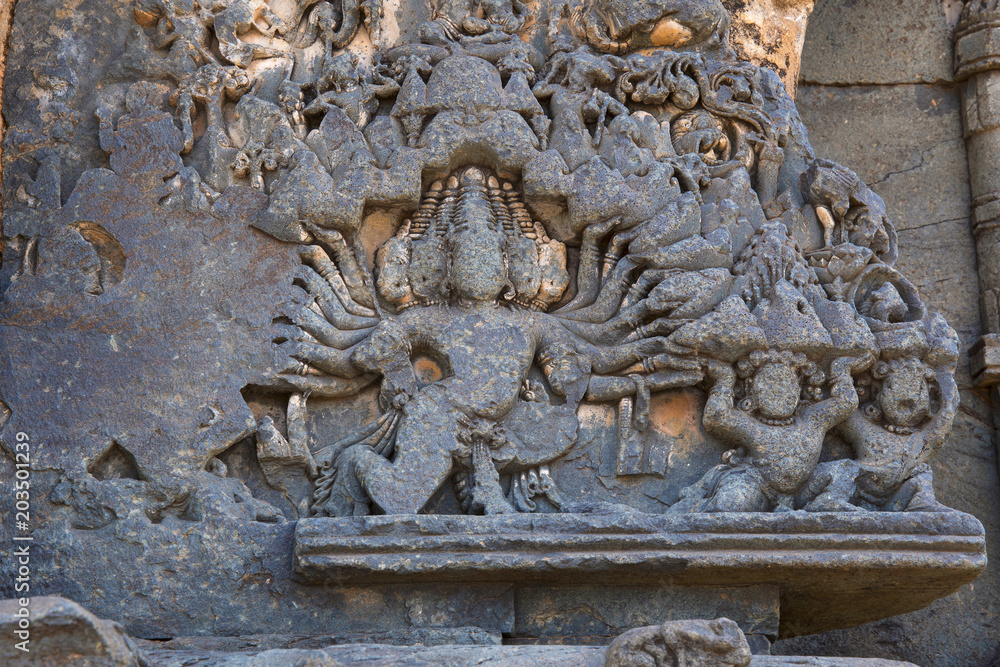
(270, 261)
(880, 42)
(61, 632)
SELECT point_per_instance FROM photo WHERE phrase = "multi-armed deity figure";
(595, 213)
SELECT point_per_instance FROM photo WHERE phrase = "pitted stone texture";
(456, 656)
(241, 586)
(64, 633)
(771, 33)
(145, 303)
(907, 143)
(820, 563)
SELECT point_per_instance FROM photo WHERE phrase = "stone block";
(60, 632)
(879, 42)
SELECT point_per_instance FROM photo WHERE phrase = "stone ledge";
(984, 361)
(453, 656)
(820, 562)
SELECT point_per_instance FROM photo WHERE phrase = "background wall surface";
(877, 94)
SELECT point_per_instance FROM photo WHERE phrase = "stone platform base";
(820, 571)
(452, 656)
(61, 632)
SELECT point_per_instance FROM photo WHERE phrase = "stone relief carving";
(595, 213)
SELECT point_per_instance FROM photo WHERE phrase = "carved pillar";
(977, 63)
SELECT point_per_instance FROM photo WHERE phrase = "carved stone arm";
(721, 418)
(387, 352)
(937, 430)
(843, 396)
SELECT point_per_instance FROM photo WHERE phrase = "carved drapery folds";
(598, 210)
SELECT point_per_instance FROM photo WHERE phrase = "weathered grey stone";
(783, 550)
(53, 632)
(800, 661)
(681, 643)
(846, 123)
(880, 42)
(462, 636)
(311, 273)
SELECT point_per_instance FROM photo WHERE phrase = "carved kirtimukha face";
(904, 397)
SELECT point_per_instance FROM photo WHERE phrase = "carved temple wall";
(194, 439)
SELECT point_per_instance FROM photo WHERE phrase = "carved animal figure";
(719, 643)
(240, 18)
(621, 26)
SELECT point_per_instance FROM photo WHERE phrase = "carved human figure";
(778, 440)
(455, 19)
(334, 29)
(182, 26)
(893, 436)
(344, 86)
(210, 87)
(292, 102)
(571, 86)
(474, 417)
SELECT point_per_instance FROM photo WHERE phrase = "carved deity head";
(774, 382)
(701, 133)
(902, 392)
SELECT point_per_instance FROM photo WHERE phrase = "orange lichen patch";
(669, 32)
(427, 370)
(378, 226)
(676, 413)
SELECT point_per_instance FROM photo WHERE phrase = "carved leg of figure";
(347, 497)
(486, 492)
(921, 485)
(738, 491)
(425, 446)
(831, 488)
